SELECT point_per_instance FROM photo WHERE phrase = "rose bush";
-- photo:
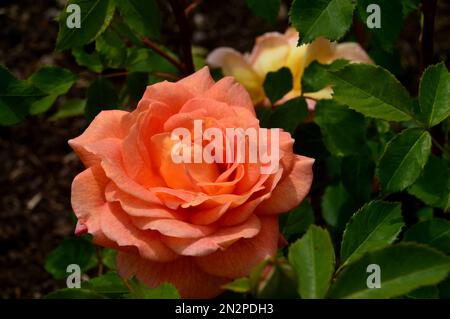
(194, 225)
(274, 50)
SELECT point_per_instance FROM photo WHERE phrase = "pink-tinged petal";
(352, 52)
(117, 226)
(174, 228)
(107, 124)
(183, 273)
(220, 240)
(228, 91)
(198, 82)
(241, 257)
(291, 190)
(235, 65)
(80, 229)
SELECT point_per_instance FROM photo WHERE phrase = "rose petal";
(241, 257)
(221, 239)
(184, 274)
(291, 190)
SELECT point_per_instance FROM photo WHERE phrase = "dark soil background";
(36, 164)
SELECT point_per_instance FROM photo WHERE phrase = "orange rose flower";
(273, 51)
(195, 225)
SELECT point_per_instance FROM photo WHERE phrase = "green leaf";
(74, 293)
(90, 60)
(141, 291)
(375, 225)
(342, 128)
(357, 175)
(433, 186)
(317, 76)
(101, 95)
(277, 84)
(266, 9)
(391, 17)
(403, 159)
(313, 259)
(109, 284)
(279, 283)
(404, 268)
(111, 50)
(69, 109)
(299, 220)
(71, 251)
(95, 18)
(434, 232)
(289, 115)
(434, 95)
(336, 206)
(146, 60)
(109, 258)
(54, 81)
(381, 97)
(142, 16)
(16, 97)
(409, 6)
(428, 292)
(328, 18)
(240, 285)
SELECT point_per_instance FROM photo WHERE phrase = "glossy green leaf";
(328, 18)
(90, 60)
(434, 232)
(357, 176)
(109, 284)
(69, 109)
(289, 115)
(146, 60)
(101, 95)
(74, 293)
(403, 268)
(240, 285)
(75, 250)
(403, 159)
(279, 282)
(433, 186)
(111, 49)
(299, 220)
(428, 292)
(266, 9)
(313, 259)
(95, 18)
(372, 91)
(142, 16)
(278, 83)
(337, 206)
(342, 128)
(109, 258)
(141, 291)
(375, 225)
(16, 97)
(54, 81)
(434, 95)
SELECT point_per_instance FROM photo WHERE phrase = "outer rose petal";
(107, 124)
(291, 190)
(184, 273)
(198, 82)
(353, 52)
(234, 64)
(223, 238)
(241, 257)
